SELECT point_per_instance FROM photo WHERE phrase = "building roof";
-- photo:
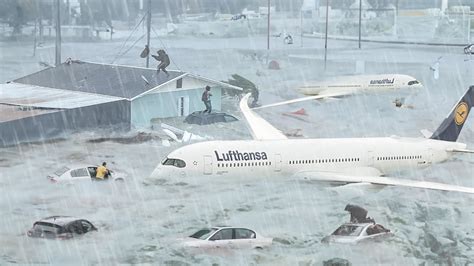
(11, 112)
(43, 97)
(112, 80)
(126, 82)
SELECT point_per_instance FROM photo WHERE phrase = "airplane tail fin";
(452, 125)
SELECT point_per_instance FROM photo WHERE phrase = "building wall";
(165, 104)
(60, 123)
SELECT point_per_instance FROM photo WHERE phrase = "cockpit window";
(413, 82)
(174, 162)
(168, 161)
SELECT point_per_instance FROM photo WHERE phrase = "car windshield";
(61, 171)
(348, 230)
(203, 234)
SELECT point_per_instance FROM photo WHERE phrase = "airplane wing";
(380, 180)
(259, 127)
(461, 150)
(297, 100)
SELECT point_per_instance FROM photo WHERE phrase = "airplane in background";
(349, 85)
(342, 160)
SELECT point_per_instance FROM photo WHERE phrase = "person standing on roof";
(102, 172)
(206, 98)
(164, 61)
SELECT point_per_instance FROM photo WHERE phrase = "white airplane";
(345, 160)
(343, 86)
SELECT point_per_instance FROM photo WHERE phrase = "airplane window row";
(345, 86)
(399, 158)
(339, 160)
(246, 164)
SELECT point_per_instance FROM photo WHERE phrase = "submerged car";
(60, 227)
(469, 49)
(201, 118)
(357, 232)
(80, 173)
(227, 237)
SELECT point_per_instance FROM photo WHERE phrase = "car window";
(203, 234)
(241, 233)
(79, 172)
(92, 171)
(86, 226)
(229, 118)
(76, 228)
(223, 234)
(348, 230)
(48, 227)
(219, 118)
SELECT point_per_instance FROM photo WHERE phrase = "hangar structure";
(79, 95)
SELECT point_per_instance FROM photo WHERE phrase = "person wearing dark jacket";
(206, 98)
(358, 214)
(164, 61)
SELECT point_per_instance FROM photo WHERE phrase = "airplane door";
(370, 158)
(430, 158)
(207, 165)
(278, 162)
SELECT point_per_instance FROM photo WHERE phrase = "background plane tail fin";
(452, 125)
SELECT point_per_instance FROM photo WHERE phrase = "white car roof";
(59, 220)
(76, 166)
(230, 227)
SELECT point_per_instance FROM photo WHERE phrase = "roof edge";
(128, 66)
(158, 86)
(216, 81)
(72, 91)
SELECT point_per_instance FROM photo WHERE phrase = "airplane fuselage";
(272, 158)
(354, 84)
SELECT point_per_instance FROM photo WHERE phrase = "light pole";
(326, 37)
(301, 27)
(148, 28)
(268, 26)
(360, 22)
(58, 33)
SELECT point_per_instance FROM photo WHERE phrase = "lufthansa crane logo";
(461, 113)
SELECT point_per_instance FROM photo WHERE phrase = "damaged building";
(78, 95)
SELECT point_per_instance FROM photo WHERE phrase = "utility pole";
(326, 37)
(360, 22)
(58, 33)
(301, 27)
(148, 28)
(268, 26)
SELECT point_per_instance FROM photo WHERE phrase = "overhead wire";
(128, 38)
(131, 46)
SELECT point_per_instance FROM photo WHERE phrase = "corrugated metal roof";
(113, 80)
(36, 96)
